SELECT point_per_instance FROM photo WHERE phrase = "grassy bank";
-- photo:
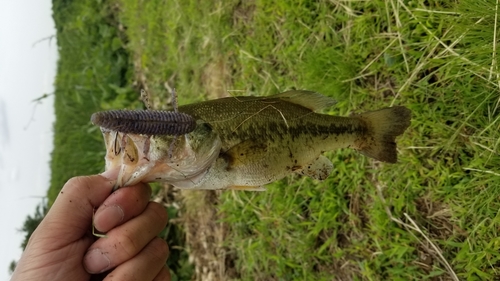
(92, 72)
(434, 215)
(437, 207)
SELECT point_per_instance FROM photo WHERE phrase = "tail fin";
(384, 126)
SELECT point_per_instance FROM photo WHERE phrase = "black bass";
(247, 142)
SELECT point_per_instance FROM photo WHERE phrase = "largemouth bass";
(247, 142)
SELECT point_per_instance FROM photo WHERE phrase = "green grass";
(430, 57)
(92, 68)
(439, 205)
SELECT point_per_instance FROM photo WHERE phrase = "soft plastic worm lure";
(146, 122)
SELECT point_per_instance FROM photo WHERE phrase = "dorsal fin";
(309, 99)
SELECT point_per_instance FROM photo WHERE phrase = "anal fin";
(247, 188)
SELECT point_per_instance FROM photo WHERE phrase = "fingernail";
(108, 218)
(95, 261)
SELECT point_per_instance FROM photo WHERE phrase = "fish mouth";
(171, 159)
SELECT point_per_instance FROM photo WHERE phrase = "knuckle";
(77, 185)
(137, 194)
(129, 245)
(159, 249)
(145, 189)
(142, 192)
(163, 275)
(77, 182)
(159, 211)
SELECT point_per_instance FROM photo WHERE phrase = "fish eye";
(206, 127)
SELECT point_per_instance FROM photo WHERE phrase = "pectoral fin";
(318, 169)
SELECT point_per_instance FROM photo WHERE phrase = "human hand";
(63, 247)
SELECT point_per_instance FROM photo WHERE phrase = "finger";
(146, 265)
(125, 241)
(164, 275)
(71, 214)
(121, 206)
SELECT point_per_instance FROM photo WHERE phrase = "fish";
(247, 142)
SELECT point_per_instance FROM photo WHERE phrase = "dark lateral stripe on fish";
(316, 130)
(280, 130)
(146, 122)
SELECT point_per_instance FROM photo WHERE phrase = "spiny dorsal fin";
(309, 99)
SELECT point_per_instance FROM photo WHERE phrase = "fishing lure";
(146, 122)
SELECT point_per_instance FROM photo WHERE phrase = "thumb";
(70, 217)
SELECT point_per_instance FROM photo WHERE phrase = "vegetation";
(92, 73)
(434, 215)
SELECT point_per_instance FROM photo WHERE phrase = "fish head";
(163, 158)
